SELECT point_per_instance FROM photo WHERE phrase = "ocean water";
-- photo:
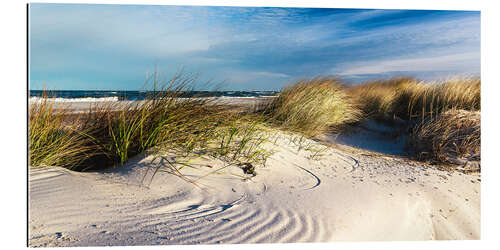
(109, 95)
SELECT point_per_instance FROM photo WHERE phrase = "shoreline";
(83, 106)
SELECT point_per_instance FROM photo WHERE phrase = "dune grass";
(109, 134)
(53, 140)
(408, 98)
(441, 116)
(431, 99)
(312, 107)
(237, 142)
(241, 140)
(377, 99)
(165, 120)
(454, 134)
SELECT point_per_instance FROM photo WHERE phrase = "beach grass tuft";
(424, 100)
(450, 137)
(53, 140)
(110, 133)
(408, 98)
(377, 99)
(163, 120)
(312, 107)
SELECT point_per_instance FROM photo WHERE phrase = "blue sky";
(113, 47)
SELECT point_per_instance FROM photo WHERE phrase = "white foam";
(86, 99)
(243, 97)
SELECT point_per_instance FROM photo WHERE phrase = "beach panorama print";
(193, 125)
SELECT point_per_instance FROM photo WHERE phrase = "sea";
(121, 95)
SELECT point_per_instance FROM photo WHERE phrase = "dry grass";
(431, 99)
(377, 99)
(441, 116)
(312, 107)
(454, 134)
(408, 98)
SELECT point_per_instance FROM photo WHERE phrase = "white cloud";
(247, 46)
(126, 29)
(465, 62)
(270, 74)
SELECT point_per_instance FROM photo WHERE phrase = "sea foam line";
(86, 99)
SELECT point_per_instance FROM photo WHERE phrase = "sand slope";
(345, 195)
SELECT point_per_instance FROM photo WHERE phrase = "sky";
(115, 47)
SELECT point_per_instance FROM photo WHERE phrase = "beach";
(186, 125)
(335, 192)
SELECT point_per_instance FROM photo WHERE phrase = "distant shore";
(83, 105)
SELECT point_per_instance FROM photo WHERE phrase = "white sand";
(347, 195)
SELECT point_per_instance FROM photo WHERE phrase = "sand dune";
(344, 195)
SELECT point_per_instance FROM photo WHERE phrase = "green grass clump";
(241, 141)
(312, 107)
(238, 141)
(110, 133)
(52, 140)
(164, 119)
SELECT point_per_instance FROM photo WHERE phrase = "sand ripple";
(341, 196)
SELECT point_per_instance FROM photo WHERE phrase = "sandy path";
(343, 195)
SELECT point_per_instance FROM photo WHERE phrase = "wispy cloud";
(250, 48)
(270, 74)
(456, 63)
